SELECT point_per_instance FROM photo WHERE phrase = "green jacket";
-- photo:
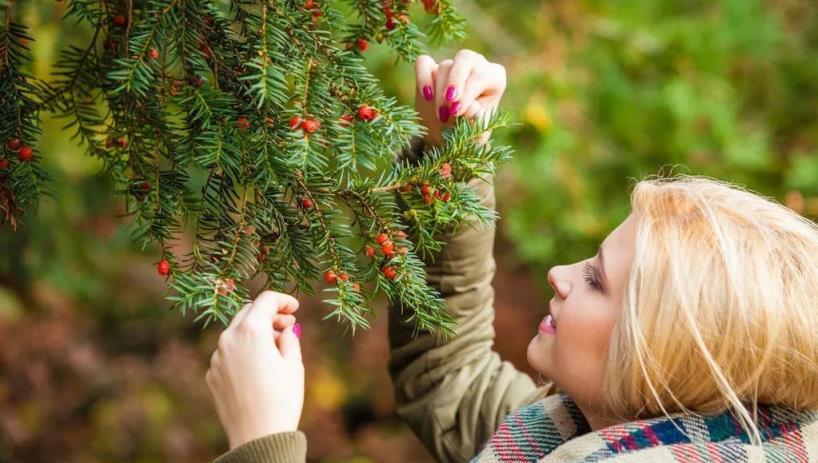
(455, 393)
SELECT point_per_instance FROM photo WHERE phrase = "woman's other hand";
(256, 374)
(466, 86)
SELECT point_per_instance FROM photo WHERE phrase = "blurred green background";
(93, 367)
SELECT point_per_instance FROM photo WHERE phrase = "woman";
(692, 335)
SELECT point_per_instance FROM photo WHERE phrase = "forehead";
(618, 248)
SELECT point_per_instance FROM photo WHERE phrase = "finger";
(282, 321)
(267, 305)
(424, 66)
(239, 316)
(289, 344)
(472, 110)
(464, 62)
(474, 87)
(441, 79)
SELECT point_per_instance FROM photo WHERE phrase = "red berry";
(330, 277)
(243, 123)
(400, 234)
(310, 125)
(428, 199)
(4, 163)
(362, 44)
(307, 203)
(390, 273)
(25, 153)
(387, 247)
(14, 144)
(381, 238)
(153, 53)
(309, 4)
(317, 14)
(424, 189)
(367, 113)
(228, 286)
(197, 81)
(443, 196)
(343, 276)
(295, 122)
(356, 286)
(122, 142)
(120, 20)
(390, 23)
(346, 119)
(370, 251)
(145, 186)
(387, 11)
(163, 267)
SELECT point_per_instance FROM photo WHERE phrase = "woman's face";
(585, 308)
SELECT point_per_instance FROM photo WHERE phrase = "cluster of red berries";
(24, 153)
(331, 278)
(242, 123)
(226, 286)
(121, 142)
(307, 125)
(391, 15)
(388, 249)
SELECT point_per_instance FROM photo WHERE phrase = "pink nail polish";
(450, 93)
(297, 330)
(427, 92)
(443, 113)
(453, 108)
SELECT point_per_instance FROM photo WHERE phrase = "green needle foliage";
(254, 128)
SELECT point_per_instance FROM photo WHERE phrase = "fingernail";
(450, 93)
(454, 107)
(297, 330)
(427, 92)
(443, 113)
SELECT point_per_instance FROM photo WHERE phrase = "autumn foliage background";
(93, 367)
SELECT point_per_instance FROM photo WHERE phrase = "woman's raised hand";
(466, 86)
(256, 375)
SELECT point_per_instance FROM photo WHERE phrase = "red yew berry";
(343, 276)
(227, 286)
(163, 267)
(110, 44)
(197, 81)
(390, 23)
(356, 287)
(242, 123)
(307, 203)
(310, 125)
(25, 154)
(443, 196)
(4, 163)
(427, 198)
(330, 277)
(425, 189)
(295, 122)
(153, 53)
(367, 113)
(346, 119)
(14, 144)
(362, 44)
(309, 4)
(370, 251)
(390, 273)
(381, 238)
(122, 142)
(387, 247)
(120, 20)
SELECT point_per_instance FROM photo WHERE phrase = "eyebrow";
(602, 266)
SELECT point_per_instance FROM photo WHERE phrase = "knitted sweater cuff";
(283, 447)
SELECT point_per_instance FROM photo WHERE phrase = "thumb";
(289, 343)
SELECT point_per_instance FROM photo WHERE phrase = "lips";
(548, 324)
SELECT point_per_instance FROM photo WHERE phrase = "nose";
(561, 286)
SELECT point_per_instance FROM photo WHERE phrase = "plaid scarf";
(554, 430)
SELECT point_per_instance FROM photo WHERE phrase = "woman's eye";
(589, 275)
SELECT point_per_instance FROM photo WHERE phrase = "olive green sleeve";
(283, 447)
(455, 393)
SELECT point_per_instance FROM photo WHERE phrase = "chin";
(537, 355)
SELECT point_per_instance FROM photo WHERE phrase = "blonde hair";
(719, 310)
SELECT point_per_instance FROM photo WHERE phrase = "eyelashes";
(589, 274)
